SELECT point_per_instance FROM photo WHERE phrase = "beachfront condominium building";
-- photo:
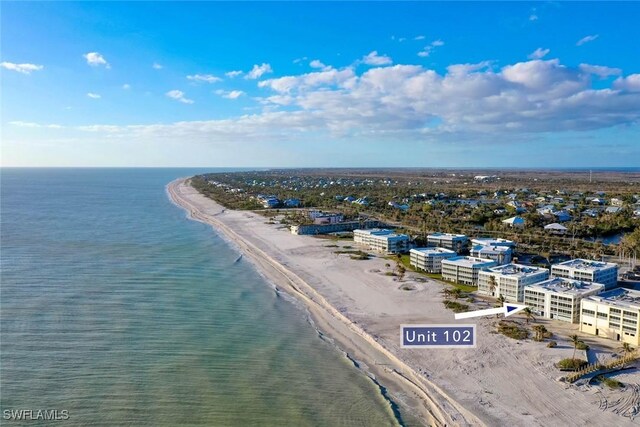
(612, 314)
(587, 270)
(382, 240)
(559, 298)
(490, 241)
(500, 254)
(457, 242)
(509, 280)
(430, 259)
(464, 269)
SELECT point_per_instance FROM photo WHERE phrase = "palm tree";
(575, 340)
(401, 272)
(447, 293)
(528, 313)
(540, 332)
(457, 293)
(492, 284)
(500, 302)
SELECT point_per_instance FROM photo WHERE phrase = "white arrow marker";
(507, 309)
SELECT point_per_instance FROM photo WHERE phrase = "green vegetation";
(609, 382)
(512, 330)
(582, 346)
(351, 252)
(456, 307)
(360, 257)
(571, 364)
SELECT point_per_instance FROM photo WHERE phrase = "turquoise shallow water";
(117, 309)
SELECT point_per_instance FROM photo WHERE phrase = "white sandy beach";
(500, 382)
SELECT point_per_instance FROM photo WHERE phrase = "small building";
(562, 216)
(500, 254)
(559, 298)
(613, 314)
(556, 228)
(456, 242)
(464, 269)
(338, 227)
(509, 280)
(270, 202)
(490, 241)
(516, 222)
(430, 259)
(293, 203)
(588, 271)
(382, 240)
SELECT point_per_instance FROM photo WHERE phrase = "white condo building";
(490, 241)
(500, 254)
(430, 259)
(382, 240)
(588, 271)
(464, 269)
(509, 280)
(613, 314)
(559, 298)
(448, 240)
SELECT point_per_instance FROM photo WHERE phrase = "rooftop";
(487, 248)
(567, 286)
(586, 264)
(490, 241)
(619, 297)
(451, 235)
(468, 261)
(517, 270)
(433, 251)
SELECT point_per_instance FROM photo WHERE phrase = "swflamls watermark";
(35, 414)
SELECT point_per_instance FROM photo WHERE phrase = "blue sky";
(320, 84)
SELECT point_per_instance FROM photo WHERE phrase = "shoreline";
(388, 372)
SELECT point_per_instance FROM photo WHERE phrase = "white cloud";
(587, 39)
(22, 124)
(600, 71)
(126, 86)
(157, 66)
(258, 71)
(93, 95)
(419, 38)
(233, 94)
(178, 95)
(204, 78)
(471, 101)
(298, 60)
(533, 17)
(318, 64)
(374, 59)
(95, 59)
(426, 51)
(21, 68)
(538, 53)
(329, 77)
(631, 83)
(232, 74)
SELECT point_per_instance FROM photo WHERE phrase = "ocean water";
(116, 308)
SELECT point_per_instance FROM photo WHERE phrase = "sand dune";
(500, 382)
